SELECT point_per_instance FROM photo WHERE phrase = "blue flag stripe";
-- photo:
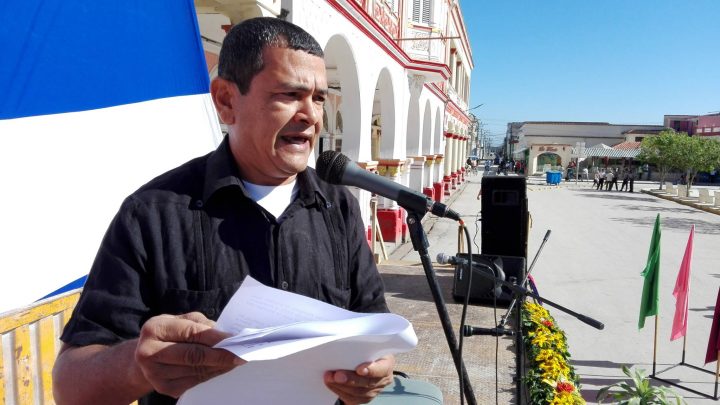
(74, 55)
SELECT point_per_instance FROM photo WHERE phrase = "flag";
(649, 300)
(682, 287)
(714, 340)
(97, 98)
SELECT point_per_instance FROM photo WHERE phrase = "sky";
(615, 61)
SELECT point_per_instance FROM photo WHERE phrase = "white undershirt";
(275, 199)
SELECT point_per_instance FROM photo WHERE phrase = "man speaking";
(181, 245)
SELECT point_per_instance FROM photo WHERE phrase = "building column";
(363, 197)
(428, 178)
(454, 170)
(462, 156)
(447, 173)
(438, 173)
(390, 214)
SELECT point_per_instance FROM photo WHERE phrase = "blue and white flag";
(96, 98)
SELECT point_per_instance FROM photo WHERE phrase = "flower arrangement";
(550, 378)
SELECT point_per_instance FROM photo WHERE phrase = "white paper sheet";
(289, 341)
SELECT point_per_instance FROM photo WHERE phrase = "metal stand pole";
(420, 244)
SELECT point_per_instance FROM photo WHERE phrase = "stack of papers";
(289, 342)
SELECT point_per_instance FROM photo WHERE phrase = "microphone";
(443, 258)
(472, 331)
(336, 168)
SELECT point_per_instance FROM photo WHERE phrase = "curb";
(687, 202)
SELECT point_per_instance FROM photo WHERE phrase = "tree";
(697, 154)
(662, 151)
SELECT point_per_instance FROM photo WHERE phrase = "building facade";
(399, 77)
(553, 143)
(701, 125)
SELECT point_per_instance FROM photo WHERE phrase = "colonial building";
(542, 143)
(399, 76)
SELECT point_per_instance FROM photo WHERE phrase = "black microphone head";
(331, 165)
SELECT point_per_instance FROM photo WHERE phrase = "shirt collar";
(222, 171)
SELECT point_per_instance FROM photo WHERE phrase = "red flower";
(563, 386)
(547, 323)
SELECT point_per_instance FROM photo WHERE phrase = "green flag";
(649, 301)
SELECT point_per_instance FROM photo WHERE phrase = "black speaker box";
(482, 290)
(504, 216)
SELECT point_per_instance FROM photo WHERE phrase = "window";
(421, 11)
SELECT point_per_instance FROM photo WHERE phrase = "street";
(592, 264)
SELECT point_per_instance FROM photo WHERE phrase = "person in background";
(616, 177)
(626, 179)
(585, 174)
(180, 246)
(609, 176)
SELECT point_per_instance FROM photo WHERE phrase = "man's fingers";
(188, 354)
(198, 317)
(168, 328)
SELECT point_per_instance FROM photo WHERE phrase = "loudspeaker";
(504, 216)
(483, 289)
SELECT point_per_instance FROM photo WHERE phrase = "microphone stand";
(421, 244)
(521, 291)
(504, 318)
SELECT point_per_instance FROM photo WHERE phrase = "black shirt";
(185, 241)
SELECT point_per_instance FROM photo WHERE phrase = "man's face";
(273, 128)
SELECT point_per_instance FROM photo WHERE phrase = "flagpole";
(655, 344)
(717, 373)
(684, 343)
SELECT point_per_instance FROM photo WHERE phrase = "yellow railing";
(30, 343)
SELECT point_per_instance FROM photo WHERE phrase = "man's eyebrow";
(303, 88)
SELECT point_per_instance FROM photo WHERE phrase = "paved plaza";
(591, 264)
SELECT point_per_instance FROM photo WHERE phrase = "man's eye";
(320, 99)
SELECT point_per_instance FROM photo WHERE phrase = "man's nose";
(309, 111)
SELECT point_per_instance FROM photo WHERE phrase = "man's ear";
(222, 92)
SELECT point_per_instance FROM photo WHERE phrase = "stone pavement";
(591, 264)
(490, 362)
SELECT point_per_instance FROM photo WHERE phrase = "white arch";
(414, 128)
(384, 104)
(343, 78)
(438, 144)
(426, 146)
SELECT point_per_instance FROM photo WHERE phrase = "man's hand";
(363, 384)
(175, 352)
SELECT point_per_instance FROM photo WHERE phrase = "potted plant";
(639, 392)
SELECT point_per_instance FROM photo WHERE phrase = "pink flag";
(714, 339)
(682, 286)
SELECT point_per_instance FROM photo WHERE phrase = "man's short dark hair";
(241, 53)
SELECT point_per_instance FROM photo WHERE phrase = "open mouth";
(299, 140)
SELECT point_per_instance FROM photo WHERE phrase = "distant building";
(701, 125)
(552, 143)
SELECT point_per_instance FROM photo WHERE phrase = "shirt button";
(328, 205)
(284, 285)
(199, 203)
